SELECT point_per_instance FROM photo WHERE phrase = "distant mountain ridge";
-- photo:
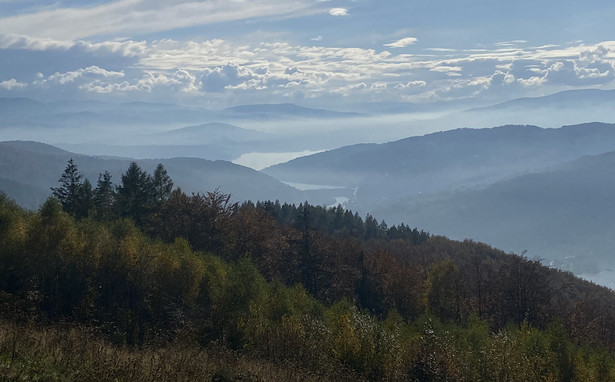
(28, 112)
(261, 111)
(564, 99)
(37, 167)
(210, 133)
(444, 160)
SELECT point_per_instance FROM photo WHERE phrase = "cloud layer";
(87, 51)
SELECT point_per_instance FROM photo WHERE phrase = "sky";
(326, 53)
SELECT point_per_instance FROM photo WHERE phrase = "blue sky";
(218, 53)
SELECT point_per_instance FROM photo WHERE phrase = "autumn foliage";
(317, 288)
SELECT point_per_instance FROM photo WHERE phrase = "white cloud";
(510, 43)
(107, 88)
(571, 73)
(150, 82)
(411, 84)
(350, 89)
(532, 81)
(379, 86)
(446, 69)
(441, 49)
(125, 48)
(12, 84)
(280, 69)
(14, 41)
(93, 71)
(126, 17)
(227, 76)
(338, 12)
(402, 43)
(223, 69)
(501, 78)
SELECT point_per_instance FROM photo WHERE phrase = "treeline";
(143, 197)
(300, 284)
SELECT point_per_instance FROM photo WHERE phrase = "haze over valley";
(458, 182)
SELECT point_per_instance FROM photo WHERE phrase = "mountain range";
(29, 169)
(445, 160)
(548, 191)
(515, 186)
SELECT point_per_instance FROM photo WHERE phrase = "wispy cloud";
(402, 43)
(441, 49)
(510, 43)
(94, 71)
(338, 12)
(124, 48)
(129, 17)
(15, 41)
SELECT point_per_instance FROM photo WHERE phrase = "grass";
(30, 353)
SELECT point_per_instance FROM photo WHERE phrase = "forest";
(141, 281)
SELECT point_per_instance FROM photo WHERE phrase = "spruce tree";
(135, 194)
(84, 203)
(104, 196)
(70, 188)
(162, 185)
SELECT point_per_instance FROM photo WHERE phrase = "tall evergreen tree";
(84, 202)
(162, 185)
(70, 188)
(135, 194)
(104, 196)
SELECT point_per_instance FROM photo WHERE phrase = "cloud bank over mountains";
(220, 53)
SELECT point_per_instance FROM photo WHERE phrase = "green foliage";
(444, 291)
(13, 268)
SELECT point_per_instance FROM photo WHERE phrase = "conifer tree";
(85, 200)
(135, 194)
(71, 186)
(104, 196)
(162, 185)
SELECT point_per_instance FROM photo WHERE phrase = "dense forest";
(140, 281)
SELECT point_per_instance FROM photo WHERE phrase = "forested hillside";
(563, 214)
(119, 276)
(548, 191)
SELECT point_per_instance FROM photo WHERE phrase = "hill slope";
(444, 160)
(564, 214)
(38, 166)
